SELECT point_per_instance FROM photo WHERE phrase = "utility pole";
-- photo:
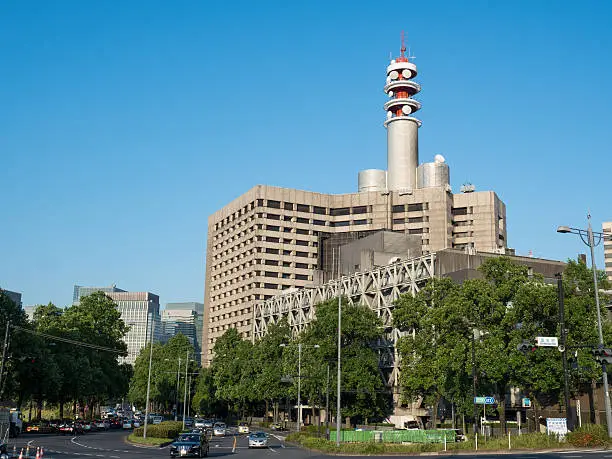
(327, 406)
(338, 394)
(176, 398)
(568, 409)
(4, 350)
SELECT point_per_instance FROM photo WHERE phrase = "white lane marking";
(273, 450)
(30, 443)
(114, 457)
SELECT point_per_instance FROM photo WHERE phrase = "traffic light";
(603, 355)
(526, 347)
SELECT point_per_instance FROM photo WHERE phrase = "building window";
(273, 217)
(302, 243)
(340, 211)
(272, 239)
(301, 277)
(415, 220)
(398, 208)
(460, 211)
(287, 230)
(288, 206)
(260, 203)
(398, 221)
(359, 210)
(360, 222)
(271, 286)
(301, 254)
(272, 228)
(273, 204)
(271, 262)
(303, 208)
(339, 224)
(415, 231)
(318, 222)
(273, 251)
(301, 231)
(302, 220)
(301, 265)
(415, 207)
(271, 274)
(319, 210)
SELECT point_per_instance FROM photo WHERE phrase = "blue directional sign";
(489, 400)
(484, 400)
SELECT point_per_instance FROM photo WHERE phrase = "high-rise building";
(15, 297)
(139, 310)
(607, 229)
(85, 291)
(273, 239)
(185, 318)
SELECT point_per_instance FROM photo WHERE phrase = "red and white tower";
(402, 128)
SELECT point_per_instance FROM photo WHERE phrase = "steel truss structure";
(377, 289)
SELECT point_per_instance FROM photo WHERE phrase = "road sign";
(547, 341)
(526, 403)
(484, 400)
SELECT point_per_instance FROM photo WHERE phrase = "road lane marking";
(273, 450)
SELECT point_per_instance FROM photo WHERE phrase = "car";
(200, 423)
(136, 423)
(88, 426)
(102, 424)
(277, 426)
(219, 429)
(258, 440)
(3, 450)
(127, 424)
(243, 427)
(208, 423)
(156, 420)
(189, 444)
(189, 422)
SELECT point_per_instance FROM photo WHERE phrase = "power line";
(68, 341)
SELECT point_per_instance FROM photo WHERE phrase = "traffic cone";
(28, 451)
(38, 453)
(42, 452)
(14, 451)
(21, 454)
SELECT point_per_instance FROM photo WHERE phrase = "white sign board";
(557, 426)
(547, 341)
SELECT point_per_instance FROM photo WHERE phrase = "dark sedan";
(189, 444)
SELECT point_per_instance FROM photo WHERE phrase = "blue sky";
(123, 125)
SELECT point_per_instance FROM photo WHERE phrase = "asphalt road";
(112, 445)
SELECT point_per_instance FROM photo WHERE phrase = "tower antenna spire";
(403, 48)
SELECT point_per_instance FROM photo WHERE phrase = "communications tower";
(402, 127)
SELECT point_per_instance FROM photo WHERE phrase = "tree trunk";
(267, 408)
(535, 415)
(501, 409)
(61, 409)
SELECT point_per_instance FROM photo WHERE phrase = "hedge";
(167, 429)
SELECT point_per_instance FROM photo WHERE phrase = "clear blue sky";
(124, 124)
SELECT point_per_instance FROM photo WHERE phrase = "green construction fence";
(394, 436)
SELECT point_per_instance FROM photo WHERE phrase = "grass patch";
(150, 441)
(533, 441)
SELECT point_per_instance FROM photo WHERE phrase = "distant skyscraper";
(139, 310)
(187, 319)
(85, 291)
(607, 229)
(30, 310)
(14, 296)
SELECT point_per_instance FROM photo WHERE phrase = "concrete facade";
(607, 229)
(268, 240)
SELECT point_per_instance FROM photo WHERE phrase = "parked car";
(243, 427)
(190, 444)
(219, 429)
(277, 426)
(127, 424)
(258, 440)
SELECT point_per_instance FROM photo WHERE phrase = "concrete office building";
(187, 319)
(272, 239)
(607, 229)
(139, 310)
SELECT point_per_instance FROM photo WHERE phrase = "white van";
(157, 419)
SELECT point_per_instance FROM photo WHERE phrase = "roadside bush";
(168, 429)
(588, 435)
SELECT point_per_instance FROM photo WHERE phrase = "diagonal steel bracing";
(377, 289)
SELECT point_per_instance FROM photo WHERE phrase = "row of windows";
(229, 315)
(240, 323)
(462, 210)
(401, 220)
(272, 204)
(416, 207)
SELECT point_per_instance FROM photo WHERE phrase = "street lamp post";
(185, 396)
(299, 401)
(146, 420)
(589, 233)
